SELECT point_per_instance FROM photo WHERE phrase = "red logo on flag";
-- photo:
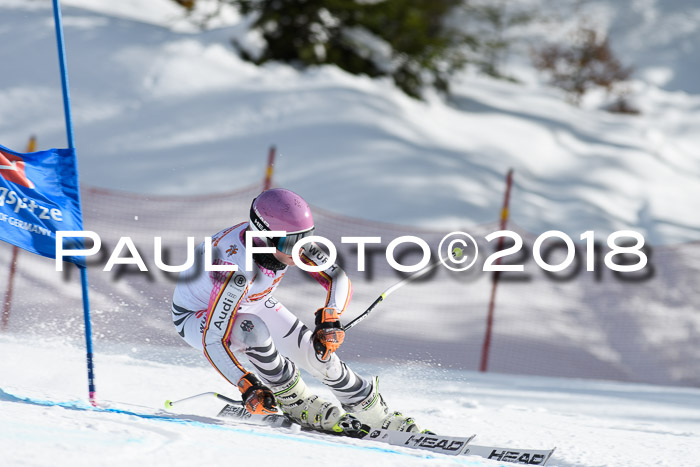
(12, 170)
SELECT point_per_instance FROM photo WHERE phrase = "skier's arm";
(333, 279)
(328, 334)
(229, 289)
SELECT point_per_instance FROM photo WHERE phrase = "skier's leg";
(189, 323)
(293, 339)
(357, 395)
(250, 335)
(189, 314)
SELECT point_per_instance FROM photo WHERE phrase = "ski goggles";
(286, 244)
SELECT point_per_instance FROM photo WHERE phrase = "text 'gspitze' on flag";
(38, 196)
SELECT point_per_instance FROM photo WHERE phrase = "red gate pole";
(270, 166)
(492, 303)
(7, 304)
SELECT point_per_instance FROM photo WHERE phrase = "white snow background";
(162, 108)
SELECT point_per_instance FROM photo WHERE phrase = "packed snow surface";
(591, 423)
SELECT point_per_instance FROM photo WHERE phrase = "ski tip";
(168, 404)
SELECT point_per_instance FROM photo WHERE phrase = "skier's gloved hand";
(328, 334)
(257, 398)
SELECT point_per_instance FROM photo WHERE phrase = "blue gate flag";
(39, 195)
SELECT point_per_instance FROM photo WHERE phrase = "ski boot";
(310, 411)
(374, 412)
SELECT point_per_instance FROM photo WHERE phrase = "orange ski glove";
(257, 398)
(328, 334)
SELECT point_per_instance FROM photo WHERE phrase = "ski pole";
(456, 253)
(169, 404)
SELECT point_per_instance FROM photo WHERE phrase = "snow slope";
(591, 423)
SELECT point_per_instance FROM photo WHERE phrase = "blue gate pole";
(71, 145)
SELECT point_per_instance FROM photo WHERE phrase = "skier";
(221, 313)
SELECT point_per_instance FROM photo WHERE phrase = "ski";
(516, 456)
(441, 444)
(453, 446)
(448, 445)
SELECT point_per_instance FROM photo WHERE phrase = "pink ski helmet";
(280, 209)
